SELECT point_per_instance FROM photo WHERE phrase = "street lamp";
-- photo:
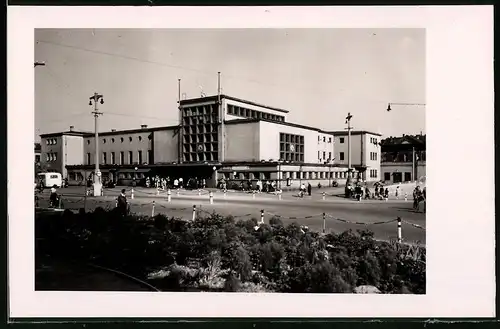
(279, 173)
(135, 175)
(97, 178)
(349, 128)
(389, 109)
(39, 64)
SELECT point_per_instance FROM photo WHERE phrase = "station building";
(219, 137)
(404, 158)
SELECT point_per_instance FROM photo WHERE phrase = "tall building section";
(221, 137)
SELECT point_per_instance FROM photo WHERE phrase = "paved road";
(305, 211)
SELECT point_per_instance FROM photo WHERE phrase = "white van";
(50, 179)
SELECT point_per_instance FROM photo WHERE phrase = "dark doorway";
(397, 177)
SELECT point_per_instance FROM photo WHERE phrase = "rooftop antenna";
(201, 92)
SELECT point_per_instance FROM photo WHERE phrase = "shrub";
(216, 253)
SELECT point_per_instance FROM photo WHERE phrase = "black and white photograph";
(238, 161)
(299, 167)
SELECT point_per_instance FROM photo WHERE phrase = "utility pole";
(221, 117)
(349, 128)
(414, 168)
(97, 174)
(181, 123)
(39, 64)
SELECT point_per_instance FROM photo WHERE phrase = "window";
(319, 138)
(112, 140)
(140, 138)
(341, 155)
(407, 176)
(55, 156)
(324, 155)
(341, 140)
(292, 147)
(330, 156)
(329, 140)
(113, 159)
(104, 158)
(104, 140)
(122, 158)
(319, 155)
(130, 157)
(387, 176)
(130, 139)
(121, 139)
(139, 157)
(88, 141)
(373, 173)
(229, 109)
(88, 158)
(324, 139)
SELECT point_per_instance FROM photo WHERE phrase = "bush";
(215, 253)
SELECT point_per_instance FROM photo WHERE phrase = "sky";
(319, 75)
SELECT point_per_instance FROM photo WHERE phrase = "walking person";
(54, 197)
(309, 189)
(386, 193)
(302, 190)
(397, 192)
(416, 196)
(176, 184)
(122, 204)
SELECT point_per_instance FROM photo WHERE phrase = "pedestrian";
(54, 197)
(376, 191)
(181, 180)
(416, 196)
(259, 186)
(397, 192)
(121, 203)
(302, 190)
(386, 193)
(176, 183)
(309, 188)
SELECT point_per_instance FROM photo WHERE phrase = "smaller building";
(61, 149)
(403, 158)
(365, 153)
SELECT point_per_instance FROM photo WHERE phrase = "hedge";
(216, 253)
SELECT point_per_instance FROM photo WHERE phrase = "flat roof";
(193, 101)
(108, 133)
(283, 123)
(354, 132)
(69, 132)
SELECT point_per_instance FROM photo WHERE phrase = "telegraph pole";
(349, 128)
(221, 116)
(181, 123)
(97, 174)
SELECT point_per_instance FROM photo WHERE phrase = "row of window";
(288, 175)
(397, 177)
(51, 157)
(104, 158)
(324, 156)
(51, 141)
(77, 176)
(373, 156)
(247, 113)
(373, 173)
(130, 139)
(324, 139)
(373, 140)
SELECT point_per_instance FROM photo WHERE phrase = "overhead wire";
(225, 76)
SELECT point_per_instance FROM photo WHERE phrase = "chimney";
(71, 128)
(144, 126)
(113, 130)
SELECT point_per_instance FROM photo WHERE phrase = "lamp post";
(135, 175)
(97, 177)
(279, 173)
(349, 128)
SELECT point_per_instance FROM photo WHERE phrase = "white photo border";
(459, 123)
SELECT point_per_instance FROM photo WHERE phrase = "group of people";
(303, 188)
(419, 196)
